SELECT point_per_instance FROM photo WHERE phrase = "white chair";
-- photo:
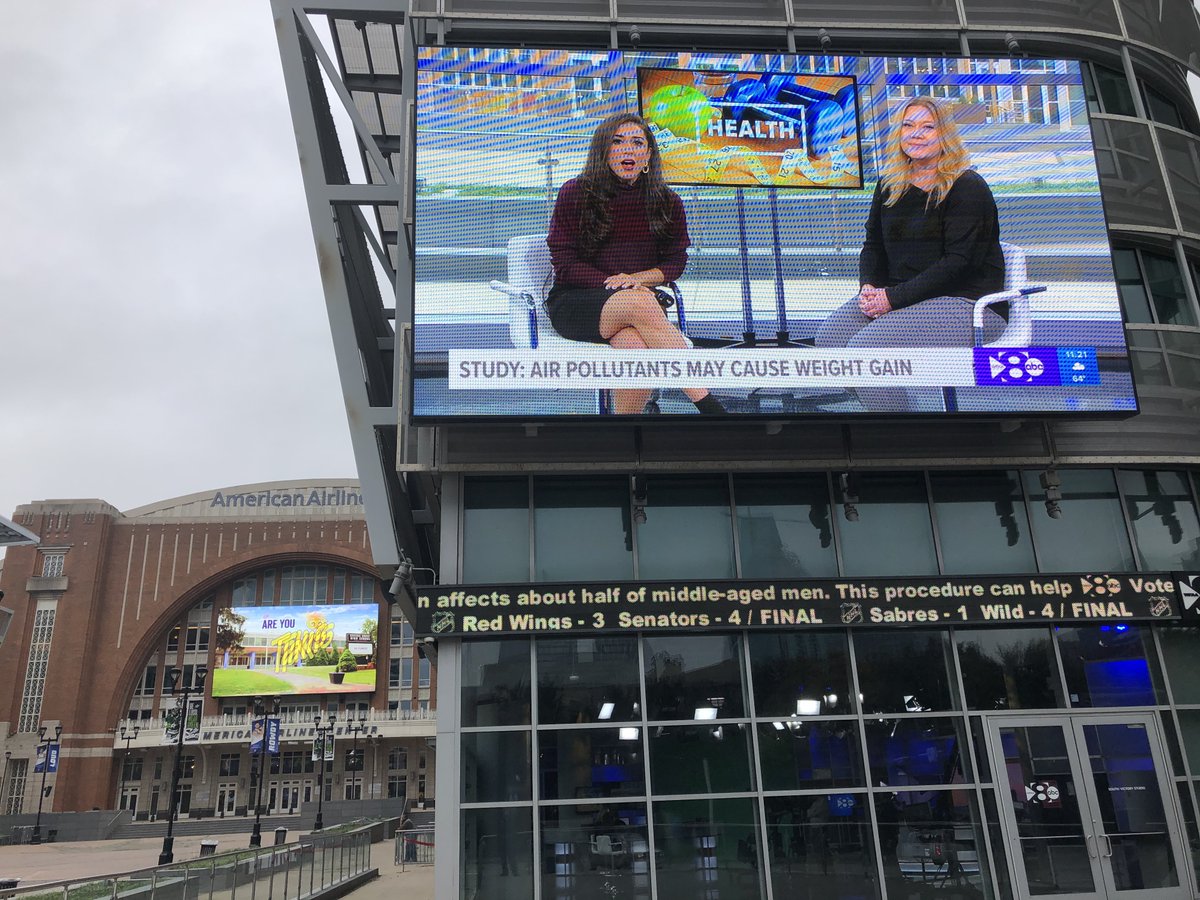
(1018, 331)
(608, 850)
(530, 277)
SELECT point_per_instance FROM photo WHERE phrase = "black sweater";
(948, 250)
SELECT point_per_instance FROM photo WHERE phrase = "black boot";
(709, 405)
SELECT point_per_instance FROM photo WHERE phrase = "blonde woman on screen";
(932, 247)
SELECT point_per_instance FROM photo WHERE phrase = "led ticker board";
(271, 650)
(590, 608)
(753, 187)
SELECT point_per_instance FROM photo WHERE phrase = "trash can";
(280, 836)
(208, 848)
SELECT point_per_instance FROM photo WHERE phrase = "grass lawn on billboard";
(293, 680)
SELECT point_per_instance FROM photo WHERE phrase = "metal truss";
(349, 70)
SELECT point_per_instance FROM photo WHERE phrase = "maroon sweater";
(631, 246)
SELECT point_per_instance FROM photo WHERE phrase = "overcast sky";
(162, 325)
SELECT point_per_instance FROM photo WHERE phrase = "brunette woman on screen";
(617, 233)
(932, 247)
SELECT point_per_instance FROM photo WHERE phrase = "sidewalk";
(92, 859)
(414, 883)
(83, 860)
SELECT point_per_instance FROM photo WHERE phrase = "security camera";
(1011, 43)
(635, 36)
(823, 37)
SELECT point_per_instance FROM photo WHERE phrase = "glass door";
(226, 799)
(129, 799)
(1087, 806)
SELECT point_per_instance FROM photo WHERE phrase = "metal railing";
(305, 869)
(415, 847)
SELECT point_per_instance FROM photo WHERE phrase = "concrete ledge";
(346, 887)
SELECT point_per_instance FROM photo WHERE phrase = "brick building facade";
(109, 601)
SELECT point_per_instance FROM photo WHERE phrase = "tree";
(322, 656)
(231, 630)
(346, 662)
(371, 627)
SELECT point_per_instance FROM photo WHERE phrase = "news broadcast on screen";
(662, 234)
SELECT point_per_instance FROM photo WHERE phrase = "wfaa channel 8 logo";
(1036, 366)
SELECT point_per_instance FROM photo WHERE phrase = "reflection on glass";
(707, 849)
(595, 762)
(821, 846)
(598, 851)
(915, 751)
(588, 680)
(581, 529)
(800, 673)
(497, 853)
(798, 754)
(700, 759)
(893, 534)
(1166, 284)
(887, 678)
(1171, 738)
(982, 522)
(1164, 519)
(1009, 668)
(495, 682)
(1131, 806)
(695, 677)
(784, 529)
(688, 532)
(1090, 536)
(1184, 797)
(996, 843)
(496, 766)
(1110, 665)
(1189, 726)
(1044, 799)
(931, 843)
(495, 543)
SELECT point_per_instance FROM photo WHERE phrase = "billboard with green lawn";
(295, 650)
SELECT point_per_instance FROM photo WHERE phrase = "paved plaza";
(91, 859)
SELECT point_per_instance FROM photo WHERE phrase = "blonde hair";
(896, 176)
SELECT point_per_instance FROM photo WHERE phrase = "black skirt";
(575, 311)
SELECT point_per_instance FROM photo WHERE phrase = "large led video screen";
(663, 234)
(270, 650)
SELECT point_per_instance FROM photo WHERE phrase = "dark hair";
(600, 185)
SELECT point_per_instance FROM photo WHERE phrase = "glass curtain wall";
(816, 525)
(823, 764)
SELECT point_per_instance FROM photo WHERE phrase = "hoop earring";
(646, 169)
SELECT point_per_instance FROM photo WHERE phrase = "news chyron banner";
(582, 609)
(775, 160)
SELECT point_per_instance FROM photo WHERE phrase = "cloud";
(163, 324)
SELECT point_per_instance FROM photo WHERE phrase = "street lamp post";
(181, 706)
(43, 741)
(355, 729)
(4, 781)
(326, 734)
(260, 709)
(128, 737)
